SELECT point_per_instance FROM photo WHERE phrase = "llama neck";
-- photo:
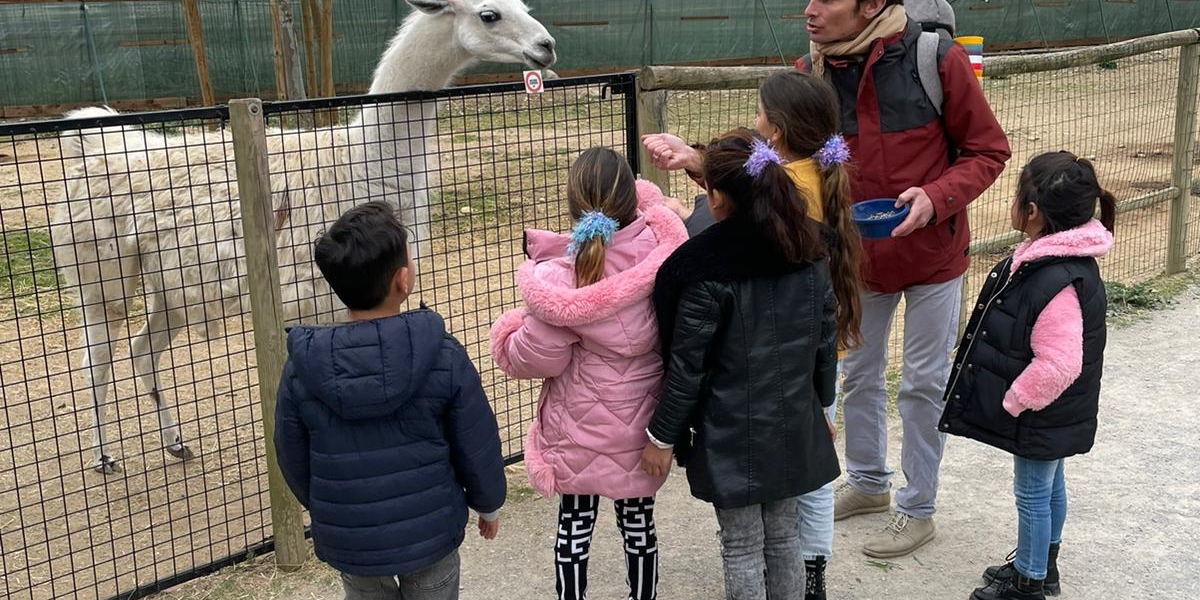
(424, 55)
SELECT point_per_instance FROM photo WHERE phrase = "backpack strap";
(927, 68)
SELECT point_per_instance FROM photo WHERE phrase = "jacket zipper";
(975, 334)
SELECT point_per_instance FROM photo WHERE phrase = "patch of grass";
(891, 386)
(1108, 65)
(520, 493)
(884, 565)
(259, 579)
(459, 210)
(1130, 303)
(28, 277)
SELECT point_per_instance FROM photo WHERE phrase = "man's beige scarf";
(891, 21)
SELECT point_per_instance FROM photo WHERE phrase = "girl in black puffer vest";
(1026, 378)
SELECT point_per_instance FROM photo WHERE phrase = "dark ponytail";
(845, 259)
(770, 200)
(1108, 210)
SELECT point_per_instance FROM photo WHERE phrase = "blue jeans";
(1041, 493)
(816, 511)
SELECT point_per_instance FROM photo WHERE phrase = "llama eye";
(489, 16)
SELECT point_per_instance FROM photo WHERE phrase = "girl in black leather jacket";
(748, 323)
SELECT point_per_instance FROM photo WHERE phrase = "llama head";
(499, 31)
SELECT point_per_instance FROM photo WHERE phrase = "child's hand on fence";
(489, 529)
(656, 461)
(669, 153)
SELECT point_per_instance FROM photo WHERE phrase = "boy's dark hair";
(361, 252)
(1065, 189)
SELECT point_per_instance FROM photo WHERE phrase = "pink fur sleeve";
(648, 194)
(525, 347)
(1057, 355)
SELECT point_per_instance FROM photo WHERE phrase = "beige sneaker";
(903, 535)
(848, 502)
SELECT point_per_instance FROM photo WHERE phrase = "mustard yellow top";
(807, 176)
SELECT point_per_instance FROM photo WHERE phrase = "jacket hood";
(367, 369)
(1090, 239)
(547, 282)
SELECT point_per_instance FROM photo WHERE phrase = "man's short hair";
(361, 252)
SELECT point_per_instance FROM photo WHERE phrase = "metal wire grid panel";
(120, 291)
(1119, 114)
(470, 169)
(128, 258)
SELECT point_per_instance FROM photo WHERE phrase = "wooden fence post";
(195, 31)
(1181, 166)
(652, 118)
(308, 10)
(266, 305)
(289, 74)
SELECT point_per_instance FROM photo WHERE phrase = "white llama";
(162, 210)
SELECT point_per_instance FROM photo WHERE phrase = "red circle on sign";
(533, 81)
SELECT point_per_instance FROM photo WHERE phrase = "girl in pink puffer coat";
(589, 330)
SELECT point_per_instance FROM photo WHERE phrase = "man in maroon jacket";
(937, 164)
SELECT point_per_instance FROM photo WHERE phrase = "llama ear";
(431, 7)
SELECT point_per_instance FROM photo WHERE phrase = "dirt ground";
(65, 532)
(1130, 530)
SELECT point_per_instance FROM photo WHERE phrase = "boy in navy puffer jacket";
(382, 427)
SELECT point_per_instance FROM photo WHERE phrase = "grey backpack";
(937, 22)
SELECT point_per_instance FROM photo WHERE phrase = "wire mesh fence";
(1120, 114)
(123, 284)
(116, 359)
(476, 167)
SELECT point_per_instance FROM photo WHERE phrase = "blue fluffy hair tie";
(761, 154)
(834, 152)
(592, 224)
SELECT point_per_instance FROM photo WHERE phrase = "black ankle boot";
(814, 578)
(1007, 571)
(1018, 588)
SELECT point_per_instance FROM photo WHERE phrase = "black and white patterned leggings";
(577, 520)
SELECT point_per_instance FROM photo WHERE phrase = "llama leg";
(147, 348)
(97, 363)
(416, 217)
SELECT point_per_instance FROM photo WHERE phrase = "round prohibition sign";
(533, 82)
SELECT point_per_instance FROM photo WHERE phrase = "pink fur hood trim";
(1089, 239)
(547, 282)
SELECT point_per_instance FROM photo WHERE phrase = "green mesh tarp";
(58, 53)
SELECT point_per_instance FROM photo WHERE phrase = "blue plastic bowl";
(871, 225)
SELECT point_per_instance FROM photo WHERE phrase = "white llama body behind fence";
(163, 211)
